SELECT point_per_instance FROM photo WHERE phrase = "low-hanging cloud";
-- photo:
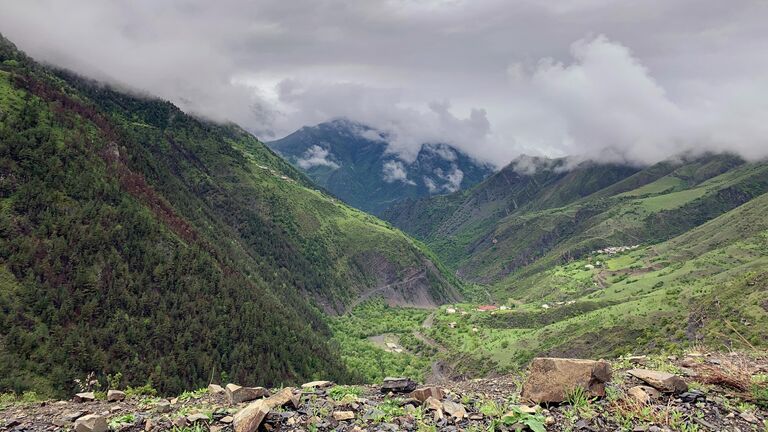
(316, 156)
(489, 77)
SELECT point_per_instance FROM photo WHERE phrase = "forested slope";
(137, 239)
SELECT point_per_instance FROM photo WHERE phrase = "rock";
(421, 394)
(433, 404)
(454, 409)
(317, 384)
(115, 396)
(115, 408)
(180, 422)
(227, 419)
(398, 385)
(237, 394)
(662, 381)
(163, 406)
(749, 417)
(643, 394)
(72, 416)
(475, 416)
(343, 415)
(91, 423)
(549, 420)
(282, 398)
(249, 418)
(692, 396)
(549, 379)
(84, 397)
(411, 402)
(197, 417)
(215, 389)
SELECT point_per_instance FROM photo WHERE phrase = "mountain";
(137, 239)
(351, 161)
(525, 219)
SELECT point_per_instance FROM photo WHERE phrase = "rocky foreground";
(696, 392)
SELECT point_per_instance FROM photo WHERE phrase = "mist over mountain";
(353, 162)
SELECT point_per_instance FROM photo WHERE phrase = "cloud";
(316, 156)
(394, 171)
(493, 78)
(452, 178)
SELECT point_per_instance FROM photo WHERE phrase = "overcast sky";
(630, 80)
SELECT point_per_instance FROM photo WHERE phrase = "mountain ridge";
(353, 162)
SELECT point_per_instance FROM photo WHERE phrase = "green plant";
(340, 391)
(194, 394)
(535, 422)
(117, 422)
(491, 408)
(113, 381)
(145, 390)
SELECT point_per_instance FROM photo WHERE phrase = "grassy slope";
(141, 240)
(708, 285)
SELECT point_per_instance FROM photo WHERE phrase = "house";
(504, 307)
(545, 306)
(487, 308)
(450, 311)
(452, 325)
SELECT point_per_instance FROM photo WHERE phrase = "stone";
(282, 398)
(643, 394)
(237, 394)
(433, 404)
(226, 419)
(343, 415)
(249, 418)
(662, 381)
(692, 396)
(74, 415)
(549, 379)
(215, 389)
(84, 397)
(163, 406)
(317, 384)
(455, 410)
(197, 417)
(411, 402)
(421, 394)
(115, 396)
(91, 423)
(398, 385)
(749, 417)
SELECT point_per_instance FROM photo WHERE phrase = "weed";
(535, 422)
(340, 391)
(117, 422)
(195, 394)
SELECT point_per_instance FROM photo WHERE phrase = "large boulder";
(115, 396)
(662, 381)
(91, 423)
(398, 385)
(643, 394)
(237, 394)
(317, 385)
(215, 389)
(85, 397)
(550, 379)
(249, 418)
(421, 394)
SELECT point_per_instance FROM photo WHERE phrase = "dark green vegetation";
(137, 239)
(350, 160)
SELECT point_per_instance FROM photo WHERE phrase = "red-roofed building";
(486, 308)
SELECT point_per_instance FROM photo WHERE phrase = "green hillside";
(707, 287)
(557, 215)
(137, 239)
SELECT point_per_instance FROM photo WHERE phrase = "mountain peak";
(353, 161)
